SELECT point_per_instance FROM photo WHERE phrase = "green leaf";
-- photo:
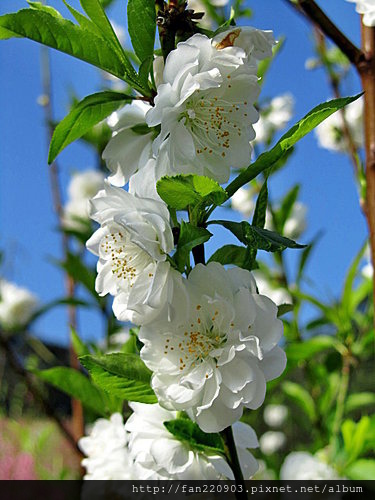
(258, 238)
(359, 400)
(49, 28)
(303, 351)
(96, 13)
(45, 8)
(235, 255)
(180, 191)
(284, 309)
(80, 273)
(346, 299)
(301, 397)
(297, 132)
(189, 432)
(82, 117)
(305, 254)
(190, 237)
(142, 27)
(121, 374)
(259, 217)
(286, 207)
(362, 469)
(78, 386)
(80, 348)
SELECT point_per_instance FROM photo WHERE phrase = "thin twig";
(233, 461)
(317, 16)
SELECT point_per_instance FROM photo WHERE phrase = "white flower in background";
(271, 442)
(275, 415)
(107, 455)
(82, 187)
(300, 465)
(243, 201)
(367, 8)
(263, 473)
(159, 455)
(127, 151)
(217, 361)
(205, 105)
(274, 117)
(330, 133)
(17, 305)
(368, 271)
(132, 244)
(296, 223)
(200, 6)
(277, 294)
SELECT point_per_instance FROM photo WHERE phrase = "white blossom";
(132, 244)
(128, 151)
(205, 105)
(159, 455)
(243, 201)
(296, 223)
(271, 441)
(367, 8)
(17, 305)
(82, 187)
(277, 294)
(275, 117)
(200, 6)
(275, 415)
(217, 361)
(330, 133)
(107, 454)
(300, 465)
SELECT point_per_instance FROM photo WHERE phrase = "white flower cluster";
(367, 9)
(330, 133)
(274, 117)
(83, 186)
(144, 449)
(210, 339)
(17, 305)
(301, 465)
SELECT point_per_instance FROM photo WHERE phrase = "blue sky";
(27, 231)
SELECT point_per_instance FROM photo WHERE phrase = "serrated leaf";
(121, 374)
(82, 117)
(303, 351)
(258, 238)
(51, 29)
(190, 237)
(180, 191)
(78, 386)
(235, 255)
(298, 131)
(188, 431)
(301, 397)
(142, 27)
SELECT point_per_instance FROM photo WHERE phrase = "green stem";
(233, 461)
(343, 389)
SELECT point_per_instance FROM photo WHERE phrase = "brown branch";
(367, 73)
(77, 410)
(47, 407)
(316, 15)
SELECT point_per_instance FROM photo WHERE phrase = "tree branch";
(367, 73)
(317, 16)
